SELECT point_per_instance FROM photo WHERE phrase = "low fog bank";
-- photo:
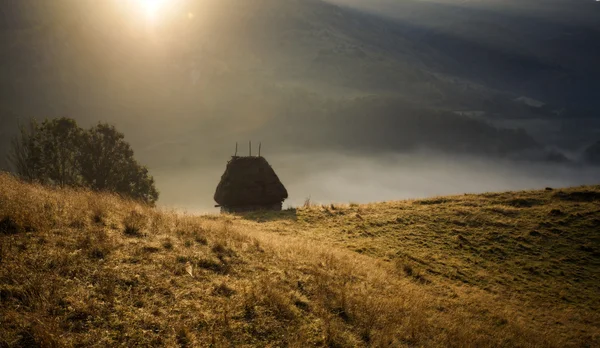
(335, 178)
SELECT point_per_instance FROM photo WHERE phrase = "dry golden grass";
(83, 269)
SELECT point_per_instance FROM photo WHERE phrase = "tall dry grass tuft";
(33, 207)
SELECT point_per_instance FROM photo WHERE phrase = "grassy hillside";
(511, 269)
(539, 246)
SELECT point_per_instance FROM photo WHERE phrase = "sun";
(151, 8)
(154, 13)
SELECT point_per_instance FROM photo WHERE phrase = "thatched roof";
(249, 181)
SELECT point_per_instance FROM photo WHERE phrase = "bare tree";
(24, 155)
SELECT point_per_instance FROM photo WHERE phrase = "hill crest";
(86, 268)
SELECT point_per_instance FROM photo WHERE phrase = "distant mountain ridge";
(243, 66)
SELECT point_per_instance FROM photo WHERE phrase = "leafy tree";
(47, 153)
(59, 140)
(58, 152)
(107, 164)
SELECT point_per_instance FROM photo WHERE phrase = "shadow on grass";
(267, 216)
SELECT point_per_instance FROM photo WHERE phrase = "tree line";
(59, 152)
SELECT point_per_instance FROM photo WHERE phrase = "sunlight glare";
(151, 8)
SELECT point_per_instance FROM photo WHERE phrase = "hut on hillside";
(248, 184)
